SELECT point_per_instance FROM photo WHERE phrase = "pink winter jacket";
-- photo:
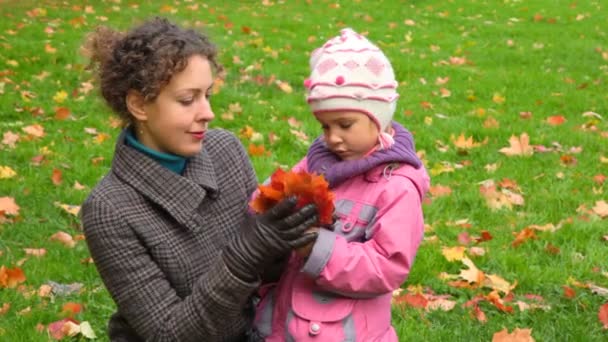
(343, 290)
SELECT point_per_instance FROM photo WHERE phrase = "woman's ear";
(135, 104)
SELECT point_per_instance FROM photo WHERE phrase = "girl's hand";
(305, 250)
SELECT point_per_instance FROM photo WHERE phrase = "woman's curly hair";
(144, 59)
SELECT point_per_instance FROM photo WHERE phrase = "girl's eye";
(345, 126)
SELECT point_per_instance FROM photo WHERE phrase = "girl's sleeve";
(380, 264)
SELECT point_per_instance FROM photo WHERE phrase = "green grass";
(553, 65)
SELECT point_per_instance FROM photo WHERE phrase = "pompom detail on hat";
(371, 88)
(386, 140)
(307, 83)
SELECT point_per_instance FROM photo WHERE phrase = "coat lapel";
(178, 195)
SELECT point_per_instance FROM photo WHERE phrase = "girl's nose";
(332, 138)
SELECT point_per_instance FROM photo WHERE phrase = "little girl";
(339, 288)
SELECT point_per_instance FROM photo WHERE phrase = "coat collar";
(179, 195)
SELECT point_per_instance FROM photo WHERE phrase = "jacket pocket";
(352, 228)
(318, 315)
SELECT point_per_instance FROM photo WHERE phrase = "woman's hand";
(305, 250)
(270, 235)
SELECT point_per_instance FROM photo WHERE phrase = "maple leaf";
(69, 208)
(556, 120)
(60, 96)
(494, 298)
(11, 277)
(601, 209)
(518, 335)
(256, 150)
(6, 172)
(62, 113)
(246, 132)
(453, 253)
(569, 292)
(299, 135)
(10, 139)
(4, 308)
(70, 309)
(524, 235)
(413, 300)
(308, 188)
(472, 274)
(499, 284)
(8, 206)
(56, 177)
(603, 315)
(284, 86)
(440, 190)
(66, 327)
(440, 304)
(44, 291)
(464, 144)
(477, 251)
(519, 146)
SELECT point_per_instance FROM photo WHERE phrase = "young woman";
(168, 227)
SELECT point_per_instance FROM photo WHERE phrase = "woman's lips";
(198, 135)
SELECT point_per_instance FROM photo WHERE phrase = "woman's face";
(176, 121)
(350, 135)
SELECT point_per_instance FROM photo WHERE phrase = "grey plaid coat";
(156, 238)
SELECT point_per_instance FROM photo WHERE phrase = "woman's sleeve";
(145, 297)
(380, 264)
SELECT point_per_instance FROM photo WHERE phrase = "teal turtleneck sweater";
(172, 162)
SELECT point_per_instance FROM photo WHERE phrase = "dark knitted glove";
(269, 236)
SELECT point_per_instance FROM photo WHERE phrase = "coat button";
(314, 328)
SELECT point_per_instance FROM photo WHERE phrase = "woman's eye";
(208, 96)
(186, 102)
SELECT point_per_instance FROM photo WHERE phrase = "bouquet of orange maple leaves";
(306, 187)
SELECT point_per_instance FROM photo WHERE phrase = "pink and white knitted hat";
(350, 73)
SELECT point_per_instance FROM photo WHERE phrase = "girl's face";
(176, 121)
(351, 135)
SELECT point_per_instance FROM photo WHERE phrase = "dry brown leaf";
(34, 131)
(602, 315)
(10, 139)
(64, 238)
(440, 304)
(497, 283)
(37, 252)
(518, 335)
(4, 308)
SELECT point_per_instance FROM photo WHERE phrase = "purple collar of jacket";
(321, 160)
